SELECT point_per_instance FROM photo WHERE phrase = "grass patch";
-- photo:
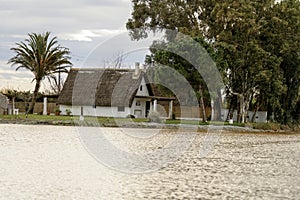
(35, 117)
(116, 122)
(190, 122)
(266, 126)
(68, 120)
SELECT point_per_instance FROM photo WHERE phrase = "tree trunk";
(257, 105)
(219, 106)
(246, 108)
(230, 110)
(202, 105)
(254, 113)
(242, 108)
(13, 105)
(34, 96)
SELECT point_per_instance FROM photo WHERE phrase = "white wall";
(261, 116)
(98, 111)
(142, 108)
(112, 111)
(224, 113)
(144, 91)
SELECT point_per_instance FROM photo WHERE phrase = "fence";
(192, 112)
(38, 108)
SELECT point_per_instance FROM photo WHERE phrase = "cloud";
(79, 25)
(19, 80)
(88, 35)
(22, 84)
(6, 71)
(62, 16)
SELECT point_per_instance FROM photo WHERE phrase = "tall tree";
(236, 28)
(43, 57)
(281, 37)
(257, 41)
(183, 17)
(192, 62)
(180, 15)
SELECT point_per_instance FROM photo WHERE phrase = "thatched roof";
(100, 87)
(3, 101)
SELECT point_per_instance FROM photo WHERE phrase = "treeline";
(255, 45)
(24, 96)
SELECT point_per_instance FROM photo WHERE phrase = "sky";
(89, 28)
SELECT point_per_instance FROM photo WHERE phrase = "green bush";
(267, 126)
(130, 116)
(68, 112)
(154, 117)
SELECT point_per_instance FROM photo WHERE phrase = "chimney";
(137, 70)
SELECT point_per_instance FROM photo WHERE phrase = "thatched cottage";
(3, 104)
(109, 93)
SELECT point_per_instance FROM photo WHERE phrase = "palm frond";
(41, 55)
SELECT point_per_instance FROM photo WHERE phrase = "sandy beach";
(54, 162)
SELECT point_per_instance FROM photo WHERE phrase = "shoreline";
(148, 125)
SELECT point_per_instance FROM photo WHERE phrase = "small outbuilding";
(3, 104)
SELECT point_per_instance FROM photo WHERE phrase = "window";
(138, 103)
(141, 88)
(121, 109)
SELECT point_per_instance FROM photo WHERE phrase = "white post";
(151, 106)
(170, 109)
(45, 106)
(212, 110)
(81, 118)
(155, 105)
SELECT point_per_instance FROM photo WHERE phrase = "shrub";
(57, 111)
(267, 126)
(154, 117)
(130, 116)
(68, 111)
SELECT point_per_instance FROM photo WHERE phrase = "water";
(48, 162)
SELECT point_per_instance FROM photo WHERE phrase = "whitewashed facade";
(260, 116)
(137, 109)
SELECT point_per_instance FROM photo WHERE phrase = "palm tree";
(42, 57)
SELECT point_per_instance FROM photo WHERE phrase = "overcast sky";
(80, 25)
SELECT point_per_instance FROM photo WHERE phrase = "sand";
(52, 162)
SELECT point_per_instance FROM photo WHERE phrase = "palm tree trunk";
(34, 97)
